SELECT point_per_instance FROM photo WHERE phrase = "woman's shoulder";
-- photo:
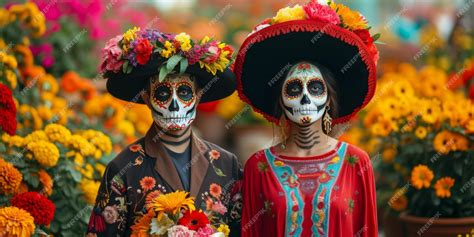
(256, 158)
(356, 153)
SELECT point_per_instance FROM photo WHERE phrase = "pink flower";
(213, 53)
(219, 208)
(322, 13)
(111, 54)
(180, 231)
(204, 232)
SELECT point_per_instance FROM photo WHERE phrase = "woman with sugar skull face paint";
(170, 157)
(306, 75)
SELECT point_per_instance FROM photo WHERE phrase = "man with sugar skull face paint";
(306, 75)
(170, 157)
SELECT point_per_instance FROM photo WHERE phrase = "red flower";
(147, 183)
(143, 51)
(40, 207)
(7, 110)
(471, 92)
(364, 35)
(215, 190)
(321, 13)
(194, 220)
(214, 154)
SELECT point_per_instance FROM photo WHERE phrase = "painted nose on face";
(173, 106)
(305, 100)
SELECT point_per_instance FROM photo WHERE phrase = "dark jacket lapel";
(163, 164)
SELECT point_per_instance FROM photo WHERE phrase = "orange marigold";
(443, 187)
(10, 178)
(421, 176)
(15, 221)
(46, 181)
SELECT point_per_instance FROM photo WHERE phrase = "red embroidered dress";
(332, 194)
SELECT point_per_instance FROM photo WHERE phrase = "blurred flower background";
(59, 128)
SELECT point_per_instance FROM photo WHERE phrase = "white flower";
(218, 234)
(162, 226)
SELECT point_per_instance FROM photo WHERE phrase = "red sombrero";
(331, 35)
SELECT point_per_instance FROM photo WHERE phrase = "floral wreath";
(328, 12)
(135, 47)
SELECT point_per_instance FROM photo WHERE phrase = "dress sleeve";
(109, 215)
(365, 218)
(253, 207)
(235, 204)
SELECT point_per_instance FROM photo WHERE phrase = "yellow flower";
(402, 89)
(45, 153)
(10, 178)
(90, 189)
(421, 132)
(8, 60)
(57, 133)
(172, 203)
(289, 14)
(11, 78)
(100, 168)
(15, 140)
(15, 221)
(388, 154)
(224, 229)
(126, 128)
(101, 141)
(430, 111)
(168, 50)
(220, 64)
(443, 187)
(129, 36)
(421, 176)
(278, 163)
(48, 83)
(446, 141)
(81, 144)
(352, 20)
(184, 41)
(6, 17)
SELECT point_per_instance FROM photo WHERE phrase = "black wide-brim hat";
(129, 86)
(267, 54)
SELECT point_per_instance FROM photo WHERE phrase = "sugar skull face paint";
(304, 94)
(173, 101)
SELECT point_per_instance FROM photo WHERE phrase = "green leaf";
(173, 61)
(125, 67)
(163, 73)
(2, 148)
(219, 172)
(183, 65)
(458, 167)
(376, 36)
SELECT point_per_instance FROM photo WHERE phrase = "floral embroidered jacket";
(144, 170)
(332, 194)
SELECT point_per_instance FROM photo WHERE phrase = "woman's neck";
(307, 140)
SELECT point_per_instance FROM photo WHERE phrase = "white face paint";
(304, 94)
(173, 101)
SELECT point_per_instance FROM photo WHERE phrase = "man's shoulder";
(128, 155)
(223, 153)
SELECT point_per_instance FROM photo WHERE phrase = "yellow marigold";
(15, 221)
(35, 136)
(443, 187)
(421, 132)
(8, 60)
(81, 144)
(172, 203)
(45, 153)
(129, 36)
(87, 171)
(10, 178)
(100, 168)
(126, 128)
(184, 41)
(168, 50)
(46, 181)
(44, 113)
(421, 176)
(11, 78)
(48, 83)
(14, 140)
(352, 20)
(90, 189)
(57, 133)
(289, 14)
(6, 17)
(98, 139)
(224, 229)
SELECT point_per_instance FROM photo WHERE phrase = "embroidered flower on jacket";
(215, 190)
(214, 155)
(135, 147)
(147, 183)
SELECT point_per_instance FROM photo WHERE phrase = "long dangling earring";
(283, 132)
(327, 120)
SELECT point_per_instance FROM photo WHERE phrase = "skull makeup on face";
(304, 94)
(173, 101)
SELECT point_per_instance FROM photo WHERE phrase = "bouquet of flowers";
(137, 47)
(174, 215)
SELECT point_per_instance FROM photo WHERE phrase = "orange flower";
(147, 183)
(150, 198)
(141, 228)
(31, 74)
(214, 155)
(10, 178)
(46, 181)
(135, 147)
(400, 203)
(69, 81)
(443, 187)
(215, 190)
(26, 54)
(421, 176)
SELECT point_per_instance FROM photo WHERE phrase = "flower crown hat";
(326, 33)
(131, 59)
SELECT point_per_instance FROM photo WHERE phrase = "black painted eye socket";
(294, 88)
(162, 93)
(185, 92)
(316, 87)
